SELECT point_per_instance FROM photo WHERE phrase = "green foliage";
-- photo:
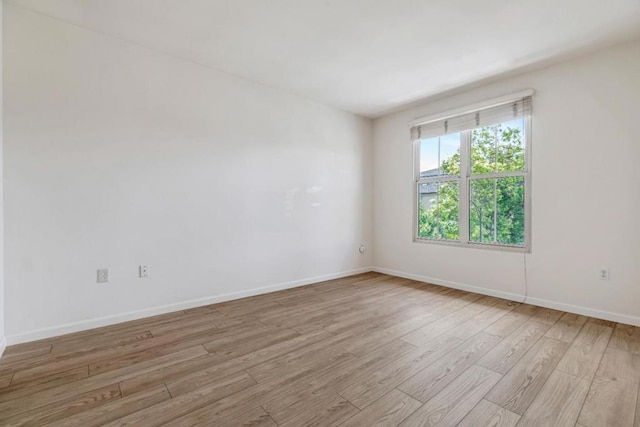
(496, 205)
(441, 221)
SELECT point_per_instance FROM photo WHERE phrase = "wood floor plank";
(189, 374)
(229, 407)
(282, 406)
(96, 343)
(567, 327)
(105, 333)
(369, 389)
(431, 380)
(347, 351)
(609, 403)
(115, 409)
(19, 415)
(176, 407)
(228, 351)
(546, 315)
(60, 393)
(487, 414)
(507, 353)
(167, 373)
(626, 337)
(601, 322)
(19, 389)
(448, 322)
(636, 422)
(185, 383)
(507, 324)
(313, 354)
(613, 394)
(107, 356)
(26, 350)
(389, 411)
(619, 365)
(14, 356)
(517, 389)
(485, 318)
(374, 339)
(583, 357)
(257, 417)
(134, 358)
(455, 401)
(5, 379)
(558, 403)
(329, 412)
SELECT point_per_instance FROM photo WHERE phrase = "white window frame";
(465, 178)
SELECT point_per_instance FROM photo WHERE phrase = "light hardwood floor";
(365, 350)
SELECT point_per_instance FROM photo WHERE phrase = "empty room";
(320, 213)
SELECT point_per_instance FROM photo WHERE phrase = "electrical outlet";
(103, 275)
(604, 274)
(143, 271)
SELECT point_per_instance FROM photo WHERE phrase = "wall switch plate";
(604, 274)
(103, 275)
(143, 271)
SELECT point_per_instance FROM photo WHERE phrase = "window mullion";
(463, 202)
(443, 178)
(500, 175)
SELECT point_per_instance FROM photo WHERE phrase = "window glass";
(498, 148)
(438, 205)
(440, 156)
(496, 211)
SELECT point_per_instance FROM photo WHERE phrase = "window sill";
(486, 246)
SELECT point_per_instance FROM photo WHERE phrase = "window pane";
(450, 154)
(498, 148)
(429, 157)
(496, 211)
(511, 146)
(440, 156)
(438, 211)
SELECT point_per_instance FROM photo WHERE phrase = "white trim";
(139, 314)
(82, 325)
(3, 345)
(586, 311)
(473, 245)
(570, 308)
(464, 192)
(450, 284)
(471, 108)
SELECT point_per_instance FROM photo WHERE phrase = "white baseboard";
(3, 345)
(139, 314)
(576, 309)
(68, 328)
(450, 284)
(586, 311)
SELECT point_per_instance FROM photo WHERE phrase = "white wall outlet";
(143, 271)
(604, 274)
(103, 275)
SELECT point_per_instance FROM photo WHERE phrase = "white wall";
(117, 155)
(3, 341)
(586, 142)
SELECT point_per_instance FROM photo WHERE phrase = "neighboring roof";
(431, 187)
(429, 173)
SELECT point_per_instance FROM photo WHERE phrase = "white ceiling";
(364, 56)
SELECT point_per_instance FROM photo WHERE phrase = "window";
(472, 171)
